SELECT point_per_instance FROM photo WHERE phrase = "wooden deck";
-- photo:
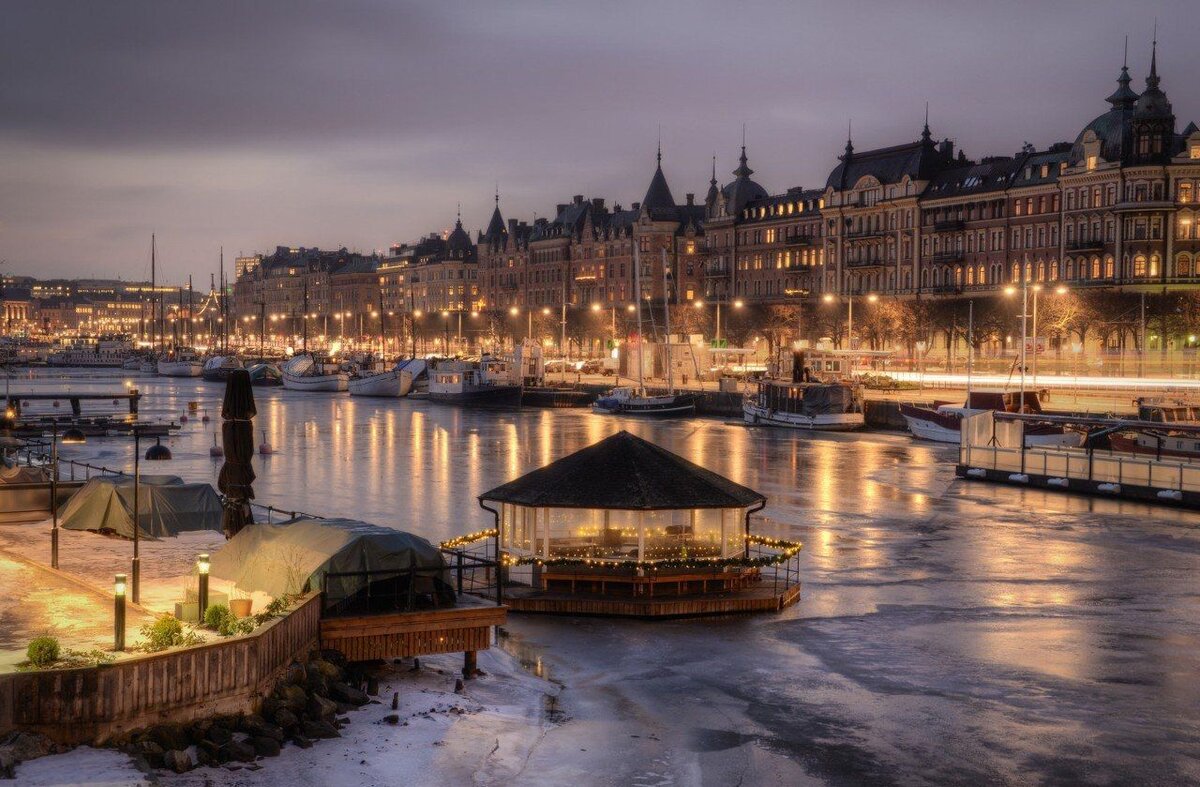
(389, 635)
(761, 598)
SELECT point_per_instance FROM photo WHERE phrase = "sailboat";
(308, 372)
(625, 400)
(381, 382)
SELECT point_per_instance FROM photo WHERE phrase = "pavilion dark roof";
(624, 472)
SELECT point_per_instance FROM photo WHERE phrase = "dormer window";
(1091, 162)
(1194, 151)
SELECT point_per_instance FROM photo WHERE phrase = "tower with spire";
(1153, 119)
(658, 203)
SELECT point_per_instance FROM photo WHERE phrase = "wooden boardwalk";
(381, 636)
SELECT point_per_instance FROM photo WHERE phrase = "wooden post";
(469, 665)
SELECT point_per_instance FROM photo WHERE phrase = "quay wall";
(95, 704)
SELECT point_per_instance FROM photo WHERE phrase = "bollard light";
(119, 612)
(74, 436)
(202, 566)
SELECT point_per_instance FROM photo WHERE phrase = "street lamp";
(72, 436)
(119, 612)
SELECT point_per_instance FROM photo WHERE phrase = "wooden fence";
(93, 704)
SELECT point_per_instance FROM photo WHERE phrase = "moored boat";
(265, 374)
(943, 423)
(484, 383)
(180, 362)
(218, 368)
(307, 372)
(830, 407)
(392, 382)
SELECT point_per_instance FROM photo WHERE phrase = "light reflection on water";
(1063, 612)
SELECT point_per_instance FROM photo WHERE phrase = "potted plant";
(241, 603)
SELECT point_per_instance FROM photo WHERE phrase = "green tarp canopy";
(167, 506)
(387, 567)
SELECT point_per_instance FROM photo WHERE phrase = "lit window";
(1091, 162)
(1195, 151)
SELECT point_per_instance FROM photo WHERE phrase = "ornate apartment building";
(1117, 207)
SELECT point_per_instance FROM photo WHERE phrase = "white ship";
(307, 372)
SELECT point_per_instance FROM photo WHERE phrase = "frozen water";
(949, 632)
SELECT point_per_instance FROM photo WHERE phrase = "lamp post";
(119, 612)
(202, 566)
(72, 436)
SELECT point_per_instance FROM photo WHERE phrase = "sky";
(361, 123)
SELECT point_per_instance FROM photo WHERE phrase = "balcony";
(716, 269)
(870, 262)
(1085, 245)
(865, 234)
(954, 225)
(800, 240)
(947, 257)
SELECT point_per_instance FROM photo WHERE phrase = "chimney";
(636, 206)
(560, 208)
(512, 226)
(616, 207)
(691, 199)
(598, 204)
(577, 199)
(946, 148)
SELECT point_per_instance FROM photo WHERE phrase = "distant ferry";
(111, 353)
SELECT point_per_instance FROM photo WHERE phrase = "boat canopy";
(299, 365)
(296, 555)
(166, 506)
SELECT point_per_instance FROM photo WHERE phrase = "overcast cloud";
(252, 124)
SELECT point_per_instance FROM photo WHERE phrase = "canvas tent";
(404, 570)
(167, 506)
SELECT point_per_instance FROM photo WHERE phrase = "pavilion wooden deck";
(761, 598)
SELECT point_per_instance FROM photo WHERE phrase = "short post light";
(202, 566)
(119, 612)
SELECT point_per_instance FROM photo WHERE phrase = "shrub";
(166, 632)
(43, 651)
(220, 618)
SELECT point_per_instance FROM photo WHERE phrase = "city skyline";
(99, 160)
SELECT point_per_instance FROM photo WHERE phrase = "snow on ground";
(82, 766)
(483, 736)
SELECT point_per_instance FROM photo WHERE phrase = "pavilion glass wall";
(610, 534)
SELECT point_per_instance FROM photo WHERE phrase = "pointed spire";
(926, 136)
(1123, 97)
(743, 171)
(658, 196)
(659, 155)
(849, 137)
(1153, 59)
(713, 182)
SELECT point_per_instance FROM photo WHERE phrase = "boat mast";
(382, 338)
(970, 346)
(187, 326)
(304, 317)
(667, 314)
(153, 296)
(637, 286)
(412, 323)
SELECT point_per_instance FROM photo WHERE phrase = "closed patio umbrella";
(237, 435)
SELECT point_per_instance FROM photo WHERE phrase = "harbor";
(902, 563)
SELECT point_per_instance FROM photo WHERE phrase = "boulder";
(286, 720)
(343, 692)
(258, 727)
(170, 736)
(317, 683)
(209, 753)
(392, 718)
(327, 669)
(219, 734)
(151, 752)
(270, 706)
(265, 747)
(319, 729)
(178, 761)
(301, 741)
(294, 698)
(295, 674)
(321, 708)
(239, 751)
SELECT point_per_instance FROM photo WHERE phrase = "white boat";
(99, 354)
(308, 373)
(828, 407)
(181, 362)
(149, 366)
(393, 382)
(943, 423)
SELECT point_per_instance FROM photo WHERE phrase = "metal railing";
(1095, 466)
(382, 591)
